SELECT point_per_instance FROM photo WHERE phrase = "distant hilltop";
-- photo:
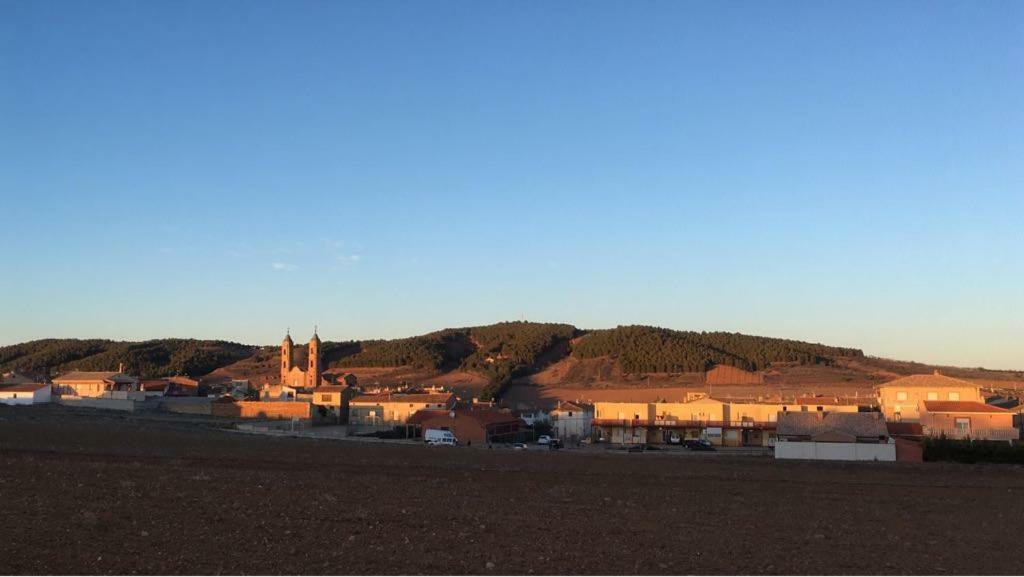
(491, 357)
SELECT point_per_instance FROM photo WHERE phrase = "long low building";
(394, 409)
(25, 394)
(470, 425)
(727, 423)
(834, 437)
(967, 420)
(94, 383)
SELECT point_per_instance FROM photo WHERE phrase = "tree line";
(641, 349)
(146, 359)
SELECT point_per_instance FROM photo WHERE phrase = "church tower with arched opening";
(293, 375)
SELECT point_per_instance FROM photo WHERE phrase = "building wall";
(187, 405)
(835, 451)
(909, 408)
(386, 413)
(25, 397)
(261, 410)
(572, 427)
(99, 403)
(86, 389)
(623, 411)
(995, 426)
(759, 412)
(296, 377)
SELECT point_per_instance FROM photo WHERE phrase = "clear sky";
(848, 173)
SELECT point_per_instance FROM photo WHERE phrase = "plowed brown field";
(99, 493)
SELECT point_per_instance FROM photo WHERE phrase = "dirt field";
(109, 493)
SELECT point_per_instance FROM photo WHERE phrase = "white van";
(439, 437)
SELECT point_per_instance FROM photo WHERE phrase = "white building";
(571, 422)
(25, 394)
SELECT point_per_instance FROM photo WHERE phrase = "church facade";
(293, 375)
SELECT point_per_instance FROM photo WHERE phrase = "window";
(901, 395)
(963, 424)
(803, 408)
(933, 396)
(785, 409)
(954, 396)
(819, 408)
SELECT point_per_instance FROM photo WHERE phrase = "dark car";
(699, 445)
(636, 449)
(555, 444)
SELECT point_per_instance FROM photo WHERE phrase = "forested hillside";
(500, 352)
(146, 359)
(656, 350)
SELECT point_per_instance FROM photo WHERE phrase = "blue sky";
(844, 173)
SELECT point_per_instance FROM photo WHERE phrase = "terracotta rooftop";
(483, 417)
(933, 380)
(961, 407)
(87, 376)
(22, 387)
(814, 423)
(907, 429)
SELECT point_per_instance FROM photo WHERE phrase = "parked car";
(519, 446)
(544, 439)
(555, 444)
(636, 449)
(439, 437)
(699, 445)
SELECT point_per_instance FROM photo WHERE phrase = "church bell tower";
(287, 362)
(313, 374)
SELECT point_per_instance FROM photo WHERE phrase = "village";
(307, 401)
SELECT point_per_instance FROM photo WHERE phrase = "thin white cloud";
(283, 266)
(348, 258)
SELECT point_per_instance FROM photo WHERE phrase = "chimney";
(120, 367)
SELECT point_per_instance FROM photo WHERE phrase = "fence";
(976, 434)
(835, 451)
(261, 409)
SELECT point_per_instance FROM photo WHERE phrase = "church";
(293, 375)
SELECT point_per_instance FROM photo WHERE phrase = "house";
(394, 409)
(623, 422)
(270, 392)
(154, 387)
(25, 393)
(967, 420)
(834, 436)
(733, 423)
(94, 383)
(571, 422)
(469, 425)
(900, 400)
(331, 403)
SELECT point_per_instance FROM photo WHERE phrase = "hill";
(155, 358)
(641, 349)
(547, 360)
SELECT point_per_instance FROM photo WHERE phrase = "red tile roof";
(483, 417)
(905, 429)
(23, 388)
(961, 407)
(933, 380)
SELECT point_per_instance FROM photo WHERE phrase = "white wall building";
(25, 394)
